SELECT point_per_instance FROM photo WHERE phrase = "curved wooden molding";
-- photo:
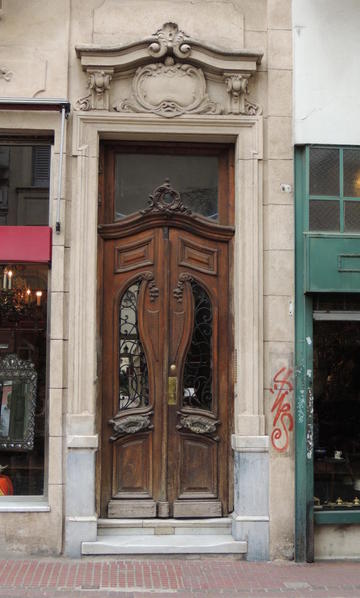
(139, 222)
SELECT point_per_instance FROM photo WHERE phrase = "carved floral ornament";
(162, 82)
(130, 425)
(5, 73)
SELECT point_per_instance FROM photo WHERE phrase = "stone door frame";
(246, 133)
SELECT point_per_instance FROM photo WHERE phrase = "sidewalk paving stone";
(215, 577)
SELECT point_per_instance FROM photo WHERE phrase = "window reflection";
(194, 177)
(24, 185)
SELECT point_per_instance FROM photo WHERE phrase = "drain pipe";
(57, 226)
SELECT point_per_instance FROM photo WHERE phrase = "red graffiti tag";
(282, 386)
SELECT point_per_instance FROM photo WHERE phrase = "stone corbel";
(98, 97)
(237, 88)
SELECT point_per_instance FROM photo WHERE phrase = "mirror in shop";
(18, 381)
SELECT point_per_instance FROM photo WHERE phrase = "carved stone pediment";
(170, 75)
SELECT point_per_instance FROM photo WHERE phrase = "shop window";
(336, 336)
(24, 184)
(23, 317)
(334, 189)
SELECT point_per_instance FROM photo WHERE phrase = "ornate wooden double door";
(166, 363)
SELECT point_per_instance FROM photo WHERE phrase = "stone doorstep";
(165, 544)
(209, 526)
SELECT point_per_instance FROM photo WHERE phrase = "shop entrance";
(336, 404)
(166, 340)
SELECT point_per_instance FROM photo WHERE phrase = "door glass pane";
(194, 177)
(133, 371)
(352, 172)
(337, 415)
(324, 215)
(352, 216)
(197, 382)
(324, 171)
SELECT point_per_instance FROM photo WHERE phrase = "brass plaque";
(172, 386)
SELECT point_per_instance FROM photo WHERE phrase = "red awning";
(25, 244)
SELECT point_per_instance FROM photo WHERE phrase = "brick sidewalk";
(205, 577)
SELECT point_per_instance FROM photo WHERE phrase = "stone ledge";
(24, 504)
(82, 519)
(246, 518)
(250, 444)
(83, 442)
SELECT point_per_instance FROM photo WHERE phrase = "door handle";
(172, 386)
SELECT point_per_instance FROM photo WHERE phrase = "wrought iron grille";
(133, 370)
(198, 365)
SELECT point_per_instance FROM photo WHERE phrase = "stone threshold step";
(157, 523)
(174, 544)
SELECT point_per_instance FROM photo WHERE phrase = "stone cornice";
(168, 41)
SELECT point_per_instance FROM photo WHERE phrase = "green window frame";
(305, 518)
(343, 185)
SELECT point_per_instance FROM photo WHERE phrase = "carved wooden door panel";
(166, 355)
(199, 351)
(134, 317)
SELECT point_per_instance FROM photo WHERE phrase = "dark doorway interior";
(336, 409)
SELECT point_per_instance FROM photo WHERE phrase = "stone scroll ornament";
(5, 74)
(237, 88)
(169, 90)
(98, 97)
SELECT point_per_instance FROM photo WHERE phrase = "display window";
(336, 402)
(25, 247)
(23, 318)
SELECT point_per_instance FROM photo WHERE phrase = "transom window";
(201, 173)
(334, 189)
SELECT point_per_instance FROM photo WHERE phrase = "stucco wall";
(326, 71)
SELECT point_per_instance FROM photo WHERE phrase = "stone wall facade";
(65, 52)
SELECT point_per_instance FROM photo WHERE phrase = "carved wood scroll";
(198, 424)
(166, 200)
(130, 425)
(162, 82)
